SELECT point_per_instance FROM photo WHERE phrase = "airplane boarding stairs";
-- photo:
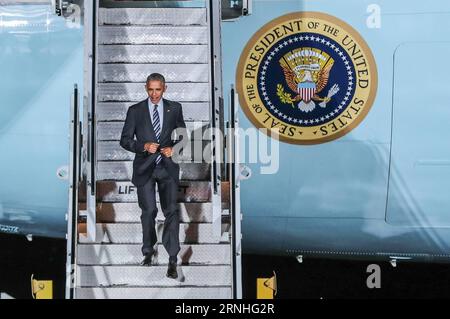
(128, 45)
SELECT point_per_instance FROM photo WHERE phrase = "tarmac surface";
(312, 279)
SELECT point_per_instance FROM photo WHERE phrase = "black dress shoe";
(172, 271)
(147, 261)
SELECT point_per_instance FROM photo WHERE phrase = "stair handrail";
(233, 171)
(75, 151)
(216, 113)
(90, 98)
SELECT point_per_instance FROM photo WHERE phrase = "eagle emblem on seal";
(307, 72)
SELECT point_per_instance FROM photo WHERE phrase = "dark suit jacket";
(138, 123)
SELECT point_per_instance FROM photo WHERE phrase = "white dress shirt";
(160, 108)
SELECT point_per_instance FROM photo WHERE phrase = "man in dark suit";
(152, 121)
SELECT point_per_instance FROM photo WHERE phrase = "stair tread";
(152, 34)
(134, 92)
(116, 111)
(117, 191)
(131, 212)
(149, 16)
(132, 233)
(149, 53)
(211, 275)
(123, 171)
(155, 293)
(137, 73)
(130, 254)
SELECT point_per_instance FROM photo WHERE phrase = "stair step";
(117, 111)
(138, 276)
(132, 233)
(135, 92)
(112, 151)
(152, 16)
(130, 254)
(131, 213)
(152, 35)
(111, 131)
(139, 72)
(153, 54)
(123, 171)
(155, 293)
(126, 192)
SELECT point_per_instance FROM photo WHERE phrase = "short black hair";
(156, 77)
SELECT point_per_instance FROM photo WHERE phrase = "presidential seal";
(309, 76)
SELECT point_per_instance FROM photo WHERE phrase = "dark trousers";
(168, 189)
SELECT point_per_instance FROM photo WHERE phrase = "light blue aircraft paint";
(40, 60)
(379, 191)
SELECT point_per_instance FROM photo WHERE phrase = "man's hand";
(167, 151)
(151, 147)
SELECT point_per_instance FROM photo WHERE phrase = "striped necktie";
(157, 129)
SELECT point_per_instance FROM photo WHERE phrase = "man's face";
(155, 90)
